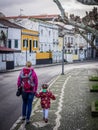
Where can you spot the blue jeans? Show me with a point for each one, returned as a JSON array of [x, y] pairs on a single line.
[[27, 104]]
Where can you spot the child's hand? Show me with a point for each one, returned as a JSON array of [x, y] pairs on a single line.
[[36, 94]]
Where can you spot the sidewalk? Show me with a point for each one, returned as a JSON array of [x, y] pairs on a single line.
[[34, 66], [47, 65], [72, 108]]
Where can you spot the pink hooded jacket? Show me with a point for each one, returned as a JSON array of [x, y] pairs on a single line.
[[35, 80]]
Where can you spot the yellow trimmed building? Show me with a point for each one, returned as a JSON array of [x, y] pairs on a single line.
[[44, 58], [30, 40]]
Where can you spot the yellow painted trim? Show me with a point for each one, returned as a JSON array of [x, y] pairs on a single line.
[[29, 31], [44, 55]]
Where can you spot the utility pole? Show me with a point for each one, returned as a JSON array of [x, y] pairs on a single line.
[[26, 49], [63, 48]]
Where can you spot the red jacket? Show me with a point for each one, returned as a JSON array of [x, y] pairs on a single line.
[[45, 98]]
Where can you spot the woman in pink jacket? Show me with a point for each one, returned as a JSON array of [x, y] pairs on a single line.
[[28, 81]]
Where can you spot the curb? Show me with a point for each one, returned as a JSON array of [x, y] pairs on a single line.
[[47, 65], [35, 66]]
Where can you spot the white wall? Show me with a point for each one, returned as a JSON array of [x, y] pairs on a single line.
[[57, 57], [68, 58], [20, 58], [4, 58], [49, 35], [15, 34], [2, 64]]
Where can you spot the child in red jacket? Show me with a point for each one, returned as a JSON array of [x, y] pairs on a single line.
[[45, 96]]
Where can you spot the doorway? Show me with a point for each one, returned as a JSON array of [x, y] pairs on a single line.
[[30, 49]]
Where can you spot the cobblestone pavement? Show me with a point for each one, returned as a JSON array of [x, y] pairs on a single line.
[[72, 108]]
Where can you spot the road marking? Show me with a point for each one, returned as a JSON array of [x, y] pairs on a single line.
[[53, 81], [40, 124], [22, 127], [60, 105]]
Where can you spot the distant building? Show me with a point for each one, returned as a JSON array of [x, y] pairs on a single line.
[[10, 40], [18, 44], [43, 17], [11, 34], [48, 33]]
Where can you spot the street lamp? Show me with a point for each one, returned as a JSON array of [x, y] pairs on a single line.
[[26, 48], [62, 34], [63, 48]]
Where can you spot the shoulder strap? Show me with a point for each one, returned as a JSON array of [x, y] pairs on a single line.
[[26, 76]]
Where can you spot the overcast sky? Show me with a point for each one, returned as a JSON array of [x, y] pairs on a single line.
[[36, 7]]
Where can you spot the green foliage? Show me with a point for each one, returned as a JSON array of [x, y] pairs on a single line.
[[93, 78], [96, 103], [97, 108], [95, 87], [68, 53]]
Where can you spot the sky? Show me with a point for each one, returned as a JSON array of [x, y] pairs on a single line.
[[38, 7]]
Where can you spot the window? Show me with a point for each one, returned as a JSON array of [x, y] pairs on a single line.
[[35, 43], [9, 43], [71, 51], [75, 51], [25, 43], [16, 43], [3, 57], [71, 40], [65, 40], [41, 48], [49, 33], [41, 32], [96, 41], [68, 39]]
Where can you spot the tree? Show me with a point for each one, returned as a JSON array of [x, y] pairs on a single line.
[[3, 38], [88, 24], [89, 2]]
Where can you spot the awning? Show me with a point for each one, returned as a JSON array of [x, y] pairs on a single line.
[[5, 49]]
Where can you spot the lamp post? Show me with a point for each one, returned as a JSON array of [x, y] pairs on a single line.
[[26, 49], [63, 48], [62, 33]]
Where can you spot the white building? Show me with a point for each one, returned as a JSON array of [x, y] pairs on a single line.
[[14, 38], [48, 32], [26, 23], [75, 44], [48, 37], [6, 54], [81, 45]]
